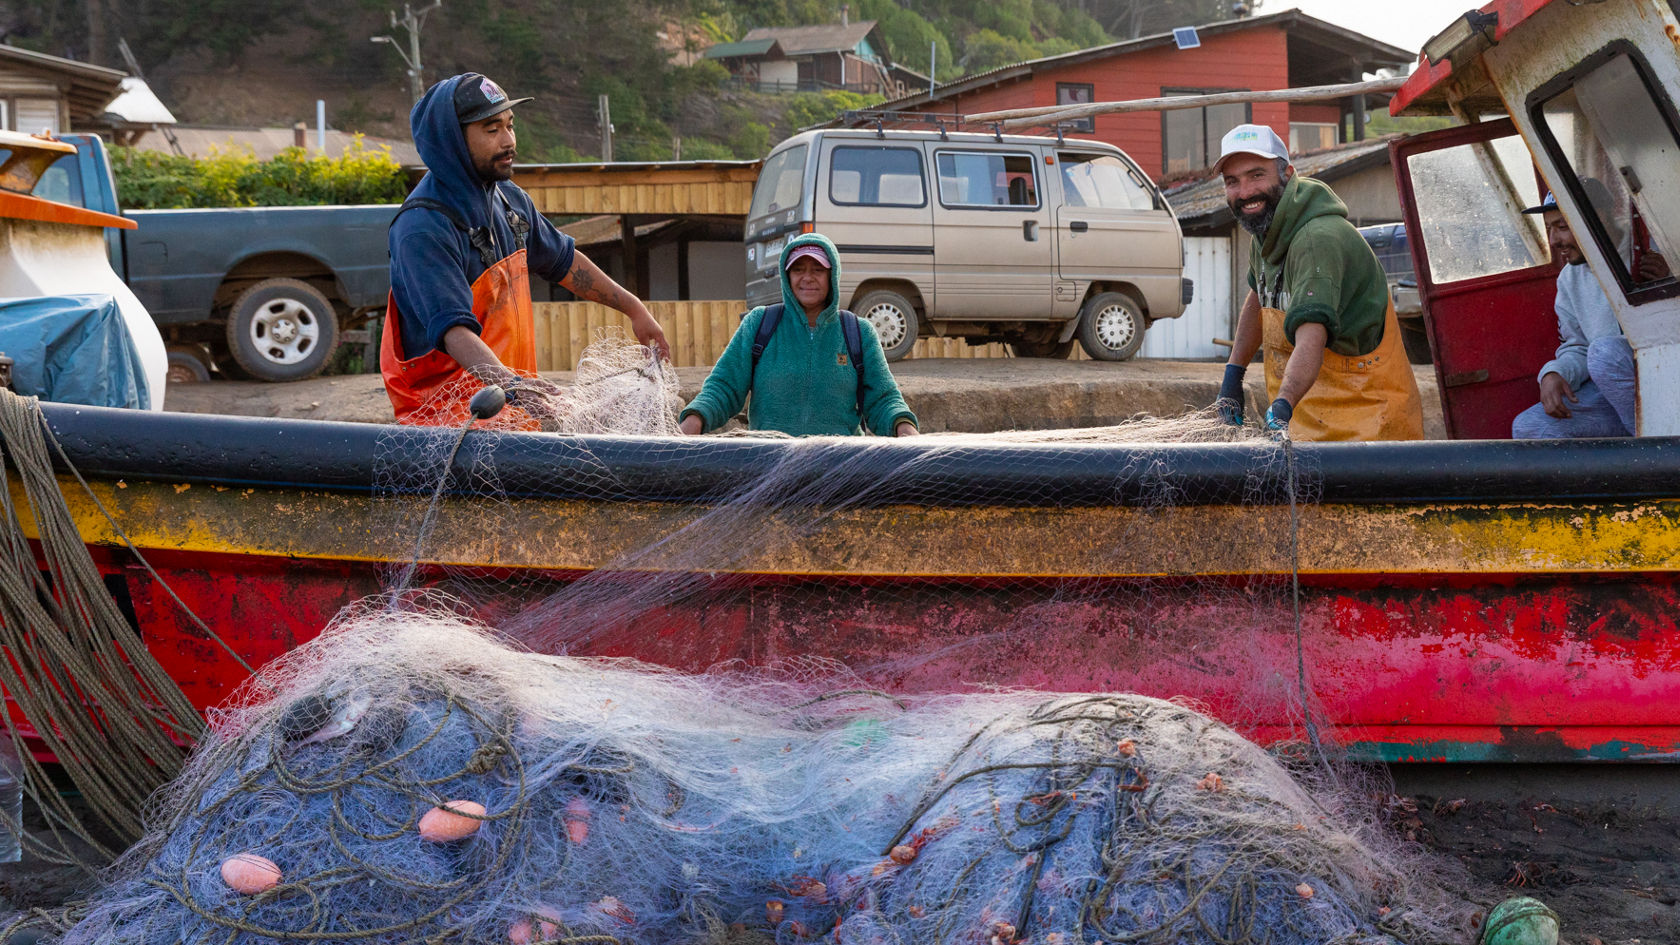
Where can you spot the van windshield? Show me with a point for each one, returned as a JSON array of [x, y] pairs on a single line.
[[1101, 180], [781, 184]]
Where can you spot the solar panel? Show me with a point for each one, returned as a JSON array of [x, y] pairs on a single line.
[[1186, 38]]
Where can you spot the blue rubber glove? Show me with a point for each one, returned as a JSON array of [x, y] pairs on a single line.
[[1277, 416], [1230, 402]]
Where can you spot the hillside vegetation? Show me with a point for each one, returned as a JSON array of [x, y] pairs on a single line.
[[248, 62]]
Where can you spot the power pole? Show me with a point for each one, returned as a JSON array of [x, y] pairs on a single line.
[[604, 107], [412, 22]]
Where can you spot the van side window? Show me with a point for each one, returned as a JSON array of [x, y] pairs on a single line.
[[1103, 180], [986, 179], [881, 177]]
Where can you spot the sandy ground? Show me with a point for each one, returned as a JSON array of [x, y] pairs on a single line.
[[948, 394]]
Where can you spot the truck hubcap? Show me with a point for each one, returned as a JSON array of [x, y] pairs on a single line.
[[284, 331]]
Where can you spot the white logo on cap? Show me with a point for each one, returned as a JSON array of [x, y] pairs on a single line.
[[492, 92]]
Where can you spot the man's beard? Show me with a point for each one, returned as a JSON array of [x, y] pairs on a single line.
[[490, 173], [1258, 223]]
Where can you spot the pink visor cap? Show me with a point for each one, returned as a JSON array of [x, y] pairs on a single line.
[[809, 252]]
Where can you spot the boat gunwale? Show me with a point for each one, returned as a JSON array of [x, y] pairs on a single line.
[[110, 443]]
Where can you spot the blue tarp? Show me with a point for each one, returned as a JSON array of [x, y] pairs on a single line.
[[73, 349]]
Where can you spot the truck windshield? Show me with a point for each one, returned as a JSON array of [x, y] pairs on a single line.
[[781, 184]]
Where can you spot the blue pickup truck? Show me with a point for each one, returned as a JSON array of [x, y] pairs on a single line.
[[263, 292]]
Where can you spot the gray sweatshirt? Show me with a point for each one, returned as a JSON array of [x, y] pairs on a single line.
[[1584, 315]]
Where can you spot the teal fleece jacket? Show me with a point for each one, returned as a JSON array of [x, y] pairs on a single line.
[[806, 385]]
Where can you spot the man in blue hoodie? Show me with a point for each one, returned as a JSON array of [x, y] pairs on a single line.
[[462, 250]]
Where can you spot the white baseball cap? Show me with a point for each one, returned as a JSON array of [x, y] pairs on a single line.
[[1259, 140]]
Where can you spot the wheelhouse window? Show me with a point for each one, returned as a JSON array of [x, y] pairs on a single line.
[[1470, 199], [1613, 133], [1103, 180], [1190, 136], [1077, 93], [986, 179], [878, 177]]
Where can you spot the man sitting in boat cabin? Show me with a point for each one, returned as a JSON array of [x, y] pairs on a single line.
[[462, 248], [1588, 388], [1318, 303]]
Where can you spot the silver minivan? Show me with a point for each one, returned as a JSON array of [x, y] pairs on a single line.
[[1031, 241]]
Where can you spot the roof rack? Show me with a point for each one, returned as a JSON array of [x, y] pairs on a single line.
[[880, 116]]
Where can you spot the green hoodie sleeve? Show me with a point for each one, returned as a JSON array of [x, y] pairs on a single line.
[[725, 391], [1335, 280], [882, 403]]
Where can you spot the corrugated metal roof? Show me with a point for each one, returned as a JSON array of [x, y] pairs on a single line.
[[823, 38], [746, 47], [1200, 202]]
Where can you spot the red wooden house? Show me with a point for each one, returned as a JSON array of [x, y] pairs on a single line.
[[1280, 50]]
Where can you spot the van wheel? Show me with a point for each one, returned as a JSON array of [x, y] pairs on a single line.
[[894, 319], [1057, 350], [282, 330], [1111, 327]]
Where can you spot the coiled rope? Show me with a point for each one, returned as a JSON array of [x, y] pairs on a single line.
[[79, 675]]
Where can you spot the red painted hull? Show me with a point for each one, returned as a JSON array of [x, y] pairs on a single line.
[[1415, 668]]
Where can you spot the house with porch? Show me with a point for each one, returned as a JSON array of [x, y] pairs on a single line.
[[844, 55]]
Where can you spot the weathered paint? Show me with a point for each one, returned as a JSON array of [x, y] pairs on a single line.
[[25, 207], [1461, 667], [905, 541]]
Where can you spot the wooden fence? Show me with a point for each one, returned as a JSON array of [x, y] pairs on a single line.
[[698, 332]]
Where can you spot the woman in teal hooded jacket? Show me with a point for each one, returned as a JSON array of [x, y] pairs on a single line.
[[805, 384]]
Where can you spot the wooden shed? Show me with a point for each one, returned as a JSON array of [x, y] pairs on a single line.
[[39, 92]]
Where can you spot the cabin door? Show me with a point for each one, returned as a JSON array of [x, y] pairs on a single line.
[[1484, 271]]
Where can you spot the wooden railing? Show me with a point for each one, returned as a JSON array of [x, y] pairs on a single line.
[[698, 332]]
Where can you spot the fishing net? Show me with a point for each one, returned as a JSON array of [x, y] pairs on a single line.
[[620, 802], [765, 689]]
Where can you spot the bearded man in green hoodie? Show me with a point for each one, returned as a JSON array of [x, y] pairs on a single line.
[[1318, 304]]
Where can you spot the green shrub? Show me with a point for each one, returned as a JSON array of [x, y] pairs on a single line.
[[814, 108], [151, 180]]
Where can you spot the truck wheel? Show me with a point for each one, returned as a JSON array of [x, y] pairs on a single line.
[[894, 319], [1111, 327], [1058, 350], [187, 367], [282, 330]]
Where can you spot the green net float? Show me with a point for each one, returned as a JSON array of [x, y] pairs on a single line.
[[1521, 921], [862, 733]]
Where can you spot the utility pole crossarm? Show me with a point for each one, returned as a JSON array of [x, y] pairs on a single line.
[[411, 21]]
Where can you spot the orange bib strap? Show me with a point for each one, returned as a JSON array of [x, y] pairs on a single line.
[[1365, 397], [502, 305]]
